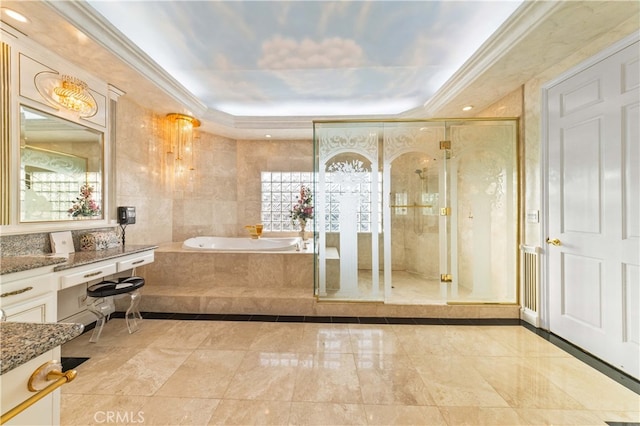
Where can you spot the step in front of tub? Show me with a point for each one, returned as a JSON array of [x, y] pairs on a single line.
[[228, 300]]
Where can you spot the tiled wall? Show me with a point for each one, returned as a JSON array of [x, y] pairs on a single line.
[[141, 173], [219, 197]]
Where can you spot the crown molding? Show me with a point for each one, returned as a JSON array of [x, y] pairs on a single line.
[[87, 20], [520, 24]]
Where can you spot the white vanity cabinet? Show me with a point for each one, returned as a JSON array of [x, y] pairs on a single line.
[[29, 296], [73, 282], [14, 391]]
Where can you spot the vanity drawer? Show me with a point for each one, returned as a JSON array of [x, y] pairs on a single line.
[[127, 264], [87, 274], [24, 289]]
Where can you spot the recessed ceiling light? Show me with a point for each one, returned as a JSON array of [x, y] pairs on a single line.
[[267, 136], [467, 108], [14, 15]]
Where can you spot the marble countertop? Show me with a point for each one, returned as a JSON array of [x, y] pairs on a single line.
[[21, 342], [11, 264]]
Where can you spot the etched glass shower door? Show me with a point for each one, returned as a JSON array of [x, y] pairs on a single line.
[[481, 177], [417, 212], [413, 176], [349, 211]]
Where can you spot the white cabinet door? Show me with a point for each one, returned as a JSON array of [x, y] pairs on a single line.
[[14, 391], [37, 309]]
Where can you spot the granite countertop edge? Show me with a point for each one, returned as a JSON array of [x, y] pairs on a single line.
[[21, 342], [12, 264]]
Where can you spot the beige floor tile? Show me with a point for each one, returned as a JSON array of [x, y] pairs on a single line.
[[619, 416], [324, 414], [451, 381], [278, 337], [471, 341], [425, 340], [386, 415], [475, 416], [103, 367], [578, 380], [181, 335], [115, 333], [99, 409], [394, 386], [328, 377], [558, 417], [205, 374], [228, 334], [523, 341], [374, 339], [199, 372], [382, 361], [247, 412], [267, 376], [142, 374], [521, 386], [325, 338], [177, 411]]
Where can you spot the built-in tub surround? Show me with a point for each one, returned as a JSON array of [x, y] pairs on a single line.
[[190, 281], [241, 244], [269, 283]]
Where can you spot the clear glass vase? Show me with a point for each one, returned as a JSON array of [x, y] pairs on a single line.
[[303, 224]]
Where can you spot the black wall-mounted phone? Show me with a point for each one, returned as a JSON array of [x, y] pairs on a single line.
[[126, 215]]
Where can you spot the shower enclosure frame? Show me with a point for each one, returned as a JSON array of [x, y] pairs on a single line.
[[379, 163]]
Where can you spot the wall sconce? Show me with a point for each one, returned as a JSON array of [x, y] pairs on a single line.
[[68, 92], [180, 141]]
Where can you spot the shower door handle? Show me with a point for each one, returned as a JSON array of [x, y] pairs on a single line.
[[556, 242]]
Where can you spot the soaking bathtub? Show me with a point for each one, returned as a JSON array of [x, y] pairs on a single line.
[[240, 244]]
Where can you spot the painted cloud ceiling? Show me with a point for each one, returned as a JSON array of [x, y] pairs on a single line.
[[303, 58]]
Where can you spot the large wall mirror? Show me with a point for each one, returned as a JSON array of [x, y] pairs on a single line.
[[61, 169]]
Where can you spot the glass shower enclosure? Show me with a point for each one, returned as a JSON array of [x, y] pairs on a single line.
[[416, 212]]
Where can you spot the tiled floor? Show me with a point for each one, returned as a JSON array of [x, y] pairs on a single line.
[[224, 372]]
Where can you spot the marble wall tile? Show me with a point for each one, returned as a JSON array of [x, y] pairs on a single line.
[[141, 174]]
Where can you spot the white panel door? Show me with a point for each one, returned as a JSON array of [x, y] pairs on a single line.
[[594, 186]]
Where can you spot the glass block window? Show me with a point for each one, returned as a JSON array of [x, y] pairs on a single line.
[[57, 191], [280, 191]]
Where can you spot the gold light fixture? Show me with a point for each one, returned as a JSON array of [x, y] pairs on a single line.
[[180, 139], [68, 92], [73, 95]]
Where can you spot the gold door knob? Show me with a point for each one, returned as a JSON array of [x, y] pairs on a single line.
[[555, 241]]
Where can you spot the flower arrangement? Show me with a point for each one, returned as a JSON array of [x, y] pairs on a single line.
[[303, 209], [85, 205]]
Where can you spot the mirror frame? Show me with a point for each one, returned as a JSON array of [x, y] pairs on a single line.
[[21, 60]]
